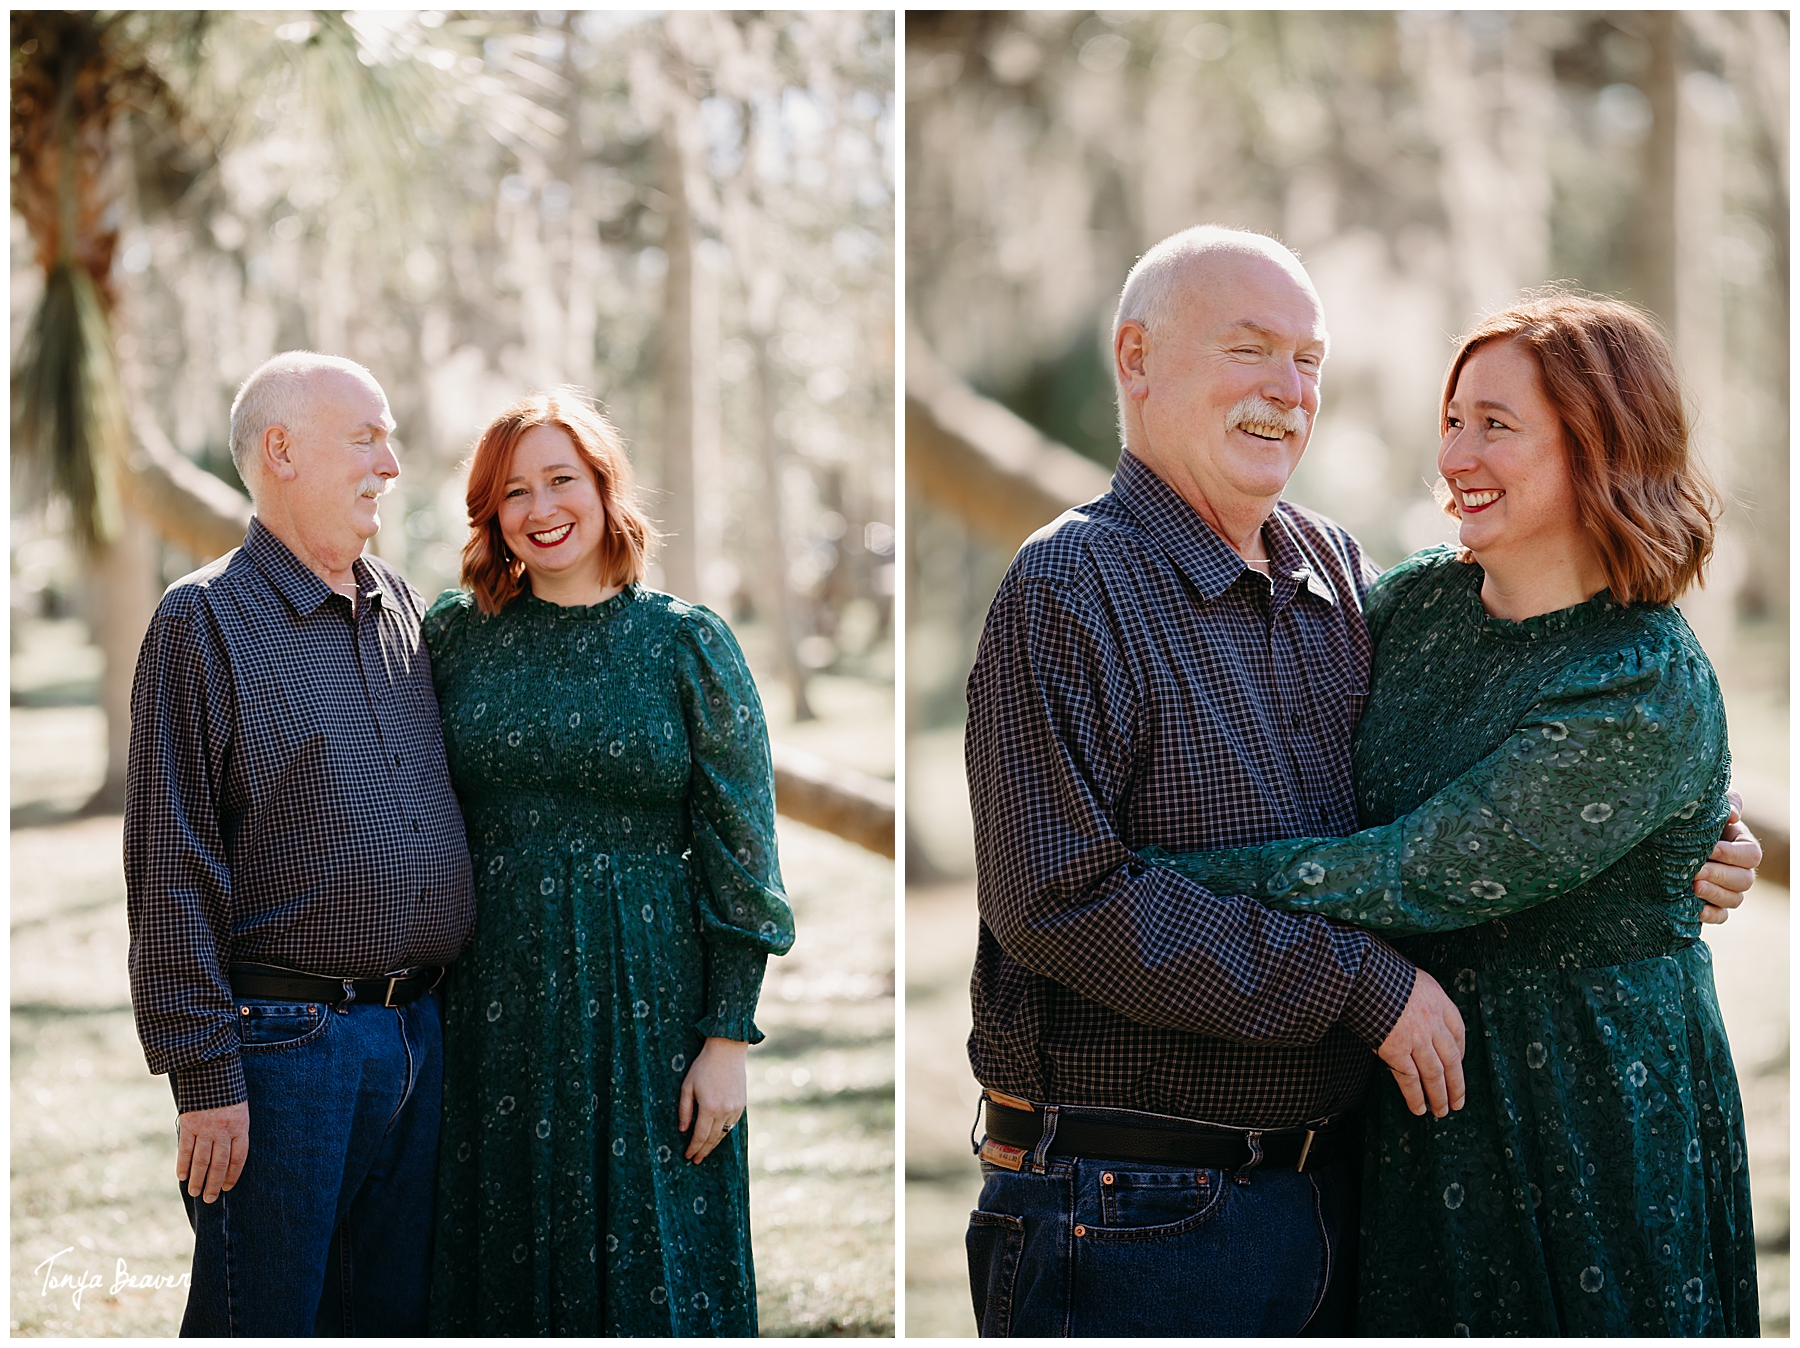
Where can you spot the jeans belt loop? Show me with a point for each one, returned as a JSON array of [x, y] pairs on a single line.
[[1253, 1139], [975, 1123], [1040, 1157], [343, 1007]]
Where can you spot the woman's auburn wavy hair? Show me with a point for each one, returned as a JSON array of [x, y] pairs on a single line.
[[489, 570], [1646, 502]]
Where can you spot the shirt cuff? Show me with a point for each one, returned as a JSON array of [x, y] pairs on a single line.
[[1379, 995], [210, 1085]]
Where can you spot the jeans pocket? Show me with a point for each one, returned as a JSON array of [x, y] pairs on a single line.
[[995, 1241], [1150, 1204], [1134, 1201], [1206, 1257], [266, 1026]]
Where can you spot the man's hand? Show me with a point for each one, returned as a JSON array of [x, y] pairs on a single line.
[[1731, 869], [712, 1096], [1424, 1050], [215, 1143]]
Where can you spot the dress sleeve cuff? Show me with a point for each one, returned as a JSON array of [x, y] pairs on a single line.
[[210, 1085], [740, 1028], [1379, 995]]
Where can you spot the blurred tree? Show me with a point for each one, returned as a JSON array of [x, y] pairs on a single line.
[[75, 75]]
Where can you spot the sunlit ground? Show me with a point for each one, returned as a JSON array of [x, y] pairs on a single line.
[[943, 1180], [93, 1131]]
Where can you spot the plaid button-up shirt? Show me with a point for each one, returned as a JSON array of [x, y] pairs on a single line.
[[287, 800], [1138, 684]]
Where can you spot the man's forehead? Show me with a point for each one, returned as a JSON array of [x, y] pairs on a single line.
[[1252, 289], [352, 395]]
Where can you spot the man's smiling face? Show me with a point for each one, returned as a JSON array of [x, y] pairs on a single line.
[[1233, 377]]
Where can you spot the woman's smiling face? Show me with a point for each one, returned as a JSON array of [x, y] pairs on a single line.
[[1506, 459], [551, 515]]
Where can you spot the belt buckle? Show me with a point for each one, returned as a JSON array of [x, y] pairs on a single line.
[[398, 976], [1305, 1147]]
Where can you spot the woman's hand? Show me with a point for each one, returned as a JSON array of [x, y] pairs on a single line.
[[1728, 873], [712, 1096]]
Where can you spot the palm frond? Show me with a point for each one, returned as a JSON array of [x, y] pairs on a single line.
[[69, 424]]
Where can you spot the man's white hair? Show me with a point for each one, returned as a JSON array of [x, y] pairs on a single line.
[[276, 394], [1152, 291]]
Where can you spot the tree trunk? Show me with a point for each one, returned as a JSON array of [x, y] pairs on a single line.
[[689, 379], [1656, 239], [167, 495], [772, 574], [124, 584]]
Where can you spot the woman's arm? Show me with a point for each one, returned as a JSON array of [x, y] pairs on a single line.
[[1629, 743], [744, 912]]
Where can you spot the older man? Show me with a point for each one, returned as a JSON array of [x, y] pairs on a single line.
[[297, 879], [1171, 1074]]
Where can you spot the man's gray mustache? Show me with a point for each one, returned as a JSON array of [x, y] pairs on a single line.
[[1260, 412]]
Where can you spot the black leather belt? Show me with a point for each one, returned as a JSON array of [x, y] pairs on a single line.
[[1153, 1140], [395, 989]]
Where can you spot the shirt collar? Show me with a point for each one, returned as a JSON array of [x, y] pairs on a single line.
[[1207, 560], [302, 589]]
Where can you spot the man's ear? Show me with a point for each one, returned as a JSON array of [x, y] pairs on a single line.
[[278, 454], [1131, 353]]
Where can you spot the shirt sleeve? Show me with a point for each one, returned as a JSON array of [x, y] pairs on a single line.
[[177, 880], [1052, 751], [731, 798], [1619, 748]]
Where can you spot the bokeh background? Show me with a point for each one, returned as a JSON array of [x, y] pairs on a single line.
[[1427, 167], [689, 216]]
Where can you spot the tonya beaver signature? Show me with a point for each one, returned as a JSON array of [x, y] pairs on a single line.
[[78, 1284]]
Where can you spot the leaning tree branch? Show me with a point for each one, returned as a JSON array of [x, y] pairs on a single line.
[[186, 504], [972, 457]]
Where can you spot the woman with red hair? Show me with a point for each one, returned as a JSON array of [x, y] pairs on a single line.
[[608, 747], [1540, 771]]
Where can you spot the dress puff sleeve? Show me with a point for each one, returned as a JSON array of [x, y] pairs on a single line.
[[1613, 750], [443, 627], [731, 800]]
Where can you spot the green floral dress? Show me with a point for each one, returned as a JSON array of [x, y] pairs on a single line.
[[1536, 797], [613, 768]]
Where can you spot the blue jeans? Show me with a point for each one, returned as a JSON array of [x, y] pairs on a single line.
[[1115, 1248], [328, 1230]]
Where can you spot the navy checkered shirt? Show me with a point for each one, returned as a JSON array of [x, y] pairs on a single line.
[[287, 800], [1138, 684]]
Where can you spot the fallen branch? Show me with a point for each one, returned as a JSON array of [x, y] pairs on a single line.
[[855, 806]]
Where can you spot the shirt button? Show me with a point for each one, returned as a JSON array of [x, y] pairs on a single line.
[[415, 824]]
